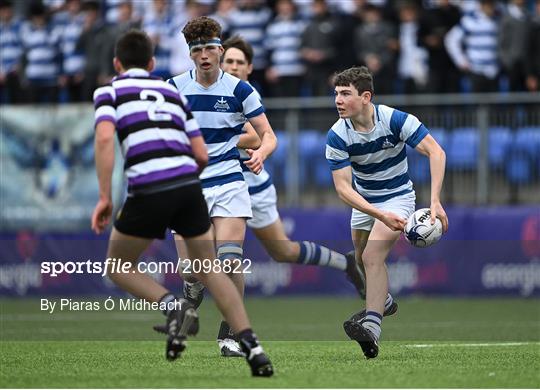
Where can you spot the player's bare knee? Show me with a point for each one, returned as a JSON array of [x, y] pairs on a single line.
[[372, 262]]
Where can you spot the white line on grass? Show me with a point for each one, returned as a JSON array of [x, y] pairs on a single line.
[[512, 344]]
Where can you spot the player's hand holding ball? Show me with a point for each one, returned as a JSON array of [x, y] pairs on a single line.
[[420, 231], [437, 211], [393, 221]]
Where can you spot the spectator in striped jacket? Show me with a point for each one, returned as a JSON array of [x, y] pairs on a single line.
[[10, 54], [249, 21], [42, 56], [472, 45], [72, 58], [283, 39]]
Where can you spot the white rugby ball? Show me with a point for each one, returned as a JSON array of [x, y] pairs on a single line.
[[420, 232]]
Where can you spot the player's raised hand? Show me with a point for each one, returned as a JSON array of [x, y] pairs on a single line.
[[101, 215], [437, 211], [393, 221], [255, 163]]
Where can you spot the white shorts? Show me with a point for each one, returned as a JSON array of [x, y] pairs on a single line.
[[264, 207], [228, 200], [403, 205]]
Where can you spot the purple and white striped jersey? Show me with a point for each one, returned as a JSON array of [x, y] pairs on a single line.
[[154, 126]]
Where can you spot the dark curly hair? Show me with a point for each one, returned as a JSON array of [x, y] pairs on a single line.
[[358, 76], [204, 28]]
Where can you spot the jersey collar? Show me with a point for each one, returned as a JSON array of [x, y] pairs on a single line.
[[136, 72], [193, 75]]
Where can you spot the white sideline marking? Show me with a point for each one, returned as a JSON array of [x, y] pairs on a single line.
[[472, 345]]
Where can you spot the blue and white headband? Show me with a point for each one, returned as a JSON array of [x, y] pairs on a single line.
[[199, 43]]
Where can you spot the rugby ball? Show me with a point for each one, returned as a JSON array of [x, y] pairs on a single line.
[[419, 231]]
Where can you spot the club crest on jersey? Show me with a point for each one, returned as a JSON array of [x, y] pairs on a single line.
[[387, 144], [221, 105]]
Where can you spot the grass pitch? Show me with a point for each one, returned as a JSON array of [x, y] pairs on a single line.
[[429, 343]]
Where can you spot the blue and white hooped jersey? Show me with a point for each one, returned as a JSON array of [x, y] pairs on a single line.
[[164, 27], [41, 45], [378, 158], [474, 40], [256, 183], [221, 111], [70, 32], [10, 46], [251, 24], [284, 41]]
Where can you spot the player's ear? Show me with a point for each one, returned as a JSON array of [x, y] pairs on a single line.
[[249, 69], [118, 65], [151, 64], [366, 96]]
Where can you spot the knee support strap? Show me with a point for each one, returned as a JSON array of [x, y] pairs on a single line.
[[230, 251]]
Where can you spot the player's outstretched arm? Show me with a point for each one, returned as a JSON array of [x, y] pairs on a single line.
[[437, 162], [342, 182], [268, 143], [104, 156], [249, 139]]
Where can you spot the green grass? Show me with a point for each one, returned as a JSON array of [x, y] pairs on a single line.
[[467, 346]]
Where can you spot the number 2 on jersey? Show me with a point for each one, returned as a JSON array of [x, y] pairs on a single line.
[[153, 108]]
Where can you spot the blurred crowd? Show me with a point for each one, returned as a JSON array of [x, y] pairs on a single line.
[[61, 50]]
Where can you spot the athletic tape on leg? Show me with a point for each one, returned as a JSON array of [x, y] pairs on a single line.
[[230, 251]]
